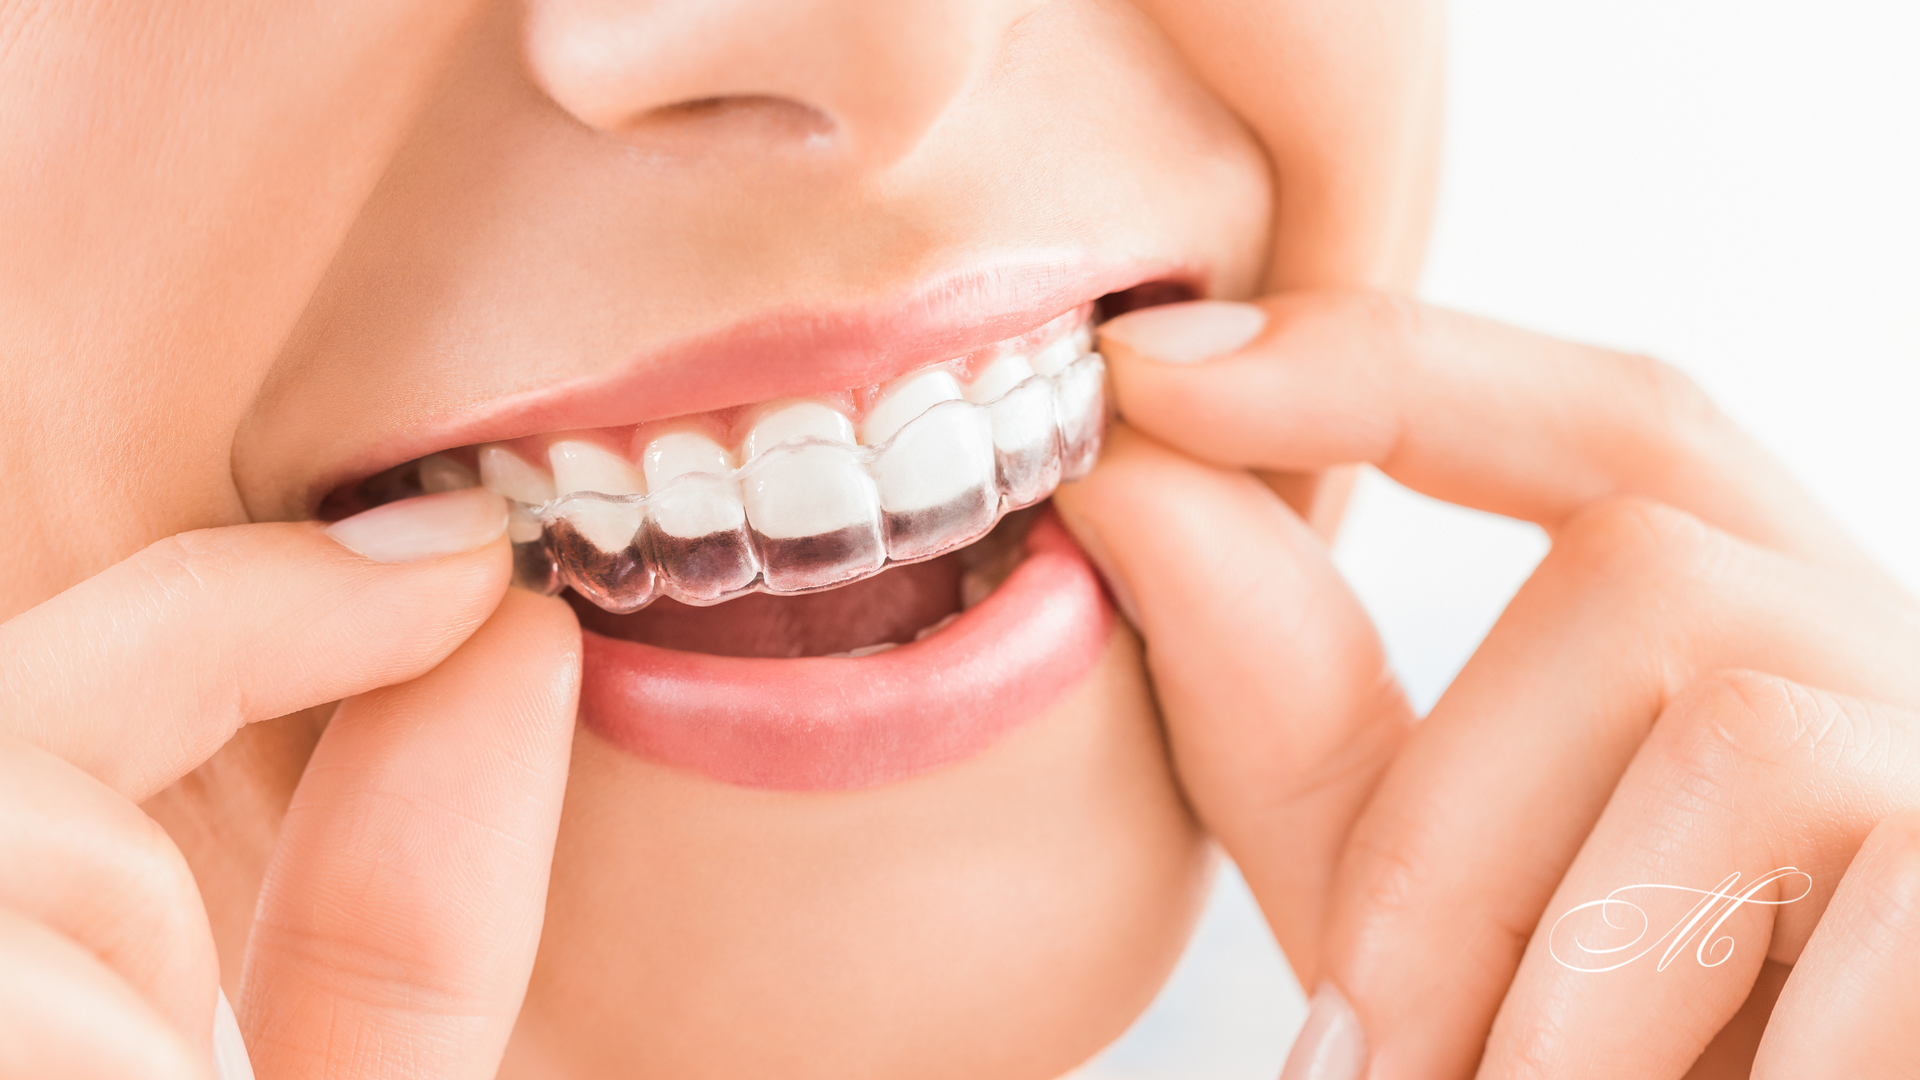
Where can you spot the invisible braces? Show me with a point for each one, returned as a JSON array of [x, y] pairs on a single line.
[[1045, 430]]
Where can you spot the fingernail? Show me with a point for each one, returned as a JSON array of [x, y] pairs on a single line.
[[230, 1061], [1187, 333], [426, 527], [1331, 1046]]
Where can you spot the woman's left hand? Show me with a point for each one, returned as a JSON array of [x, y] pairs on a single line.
[[1703, 678]]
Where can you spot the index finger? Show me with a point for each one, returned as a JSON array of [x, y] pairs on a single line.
[[140, 673], [1460, 408]]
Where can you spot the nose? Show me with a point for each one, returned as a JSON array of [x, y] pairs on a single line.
[[864, 78]]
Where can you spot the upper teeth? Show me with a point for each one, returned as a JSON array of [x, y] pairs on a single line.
[[812, 497]]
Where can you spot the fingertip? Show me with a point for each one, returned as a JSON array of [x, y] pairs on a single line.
[[540, 626], [425, 527], [1186, 333]]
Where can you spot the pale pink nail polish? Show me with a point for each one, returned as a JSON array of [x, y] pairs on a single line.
[[1187, 333], [230, 1061], [1331, 1045], [426, 527]]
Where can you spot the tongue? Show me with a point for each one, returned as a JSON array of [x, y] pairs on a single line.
[[891, 606]]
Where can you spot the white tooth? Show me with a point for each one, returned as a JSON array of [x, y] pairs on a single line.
[[673, 455], [507, 473], [903, 399], [936, 481], [692, 509], [439, 473], [864, 650], [522, 526], [583, 466], [1026, 437], [999, 377], [796, 420], [1080, 404], [1060, 352], [944, 454], [1083, 339], [814, 506], [810, 491], [945, 621]]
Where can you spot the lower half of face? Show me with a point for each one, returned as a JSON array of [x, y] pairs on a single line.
[[774, 321], [1005, 915]]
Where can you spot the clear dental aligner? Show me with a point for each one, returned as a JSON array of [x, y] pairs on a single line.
[[809, 497]]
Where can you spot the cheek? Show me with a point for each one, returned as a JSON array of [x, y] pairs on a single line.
[[1006, 916]]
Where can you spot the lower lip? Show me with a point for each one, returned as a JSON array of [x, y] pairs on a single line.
[[827, 724]]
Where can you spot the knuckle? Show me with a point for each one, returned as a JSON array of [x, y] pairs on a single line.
[[1638, 543], [187, 564], [1673, 403], [386, 971], [1387, 871], [1389, 324], [1400, 877], [1732, 725], [1890, 895]]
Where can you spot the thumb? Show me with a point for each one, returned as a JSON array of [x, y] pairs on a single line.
[[1280, 710], [140, 673], [400, 914]]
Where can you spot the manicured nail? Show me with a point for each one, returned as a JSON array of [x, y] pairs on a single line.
[[1331, 1046], [426, 527], [230, 1061], [1187, 333]]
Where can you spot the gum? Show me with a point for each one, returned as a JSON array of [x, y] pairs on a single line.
[[1043, 431]]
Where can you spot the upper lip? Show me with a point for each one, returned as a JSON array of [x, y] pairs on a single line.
[[786, 351]]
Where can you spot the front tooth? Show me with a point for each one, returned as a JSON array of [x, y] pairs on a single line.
[[696, 521], [439, 473], [507, 473], [902, 400], [814, 509], [673, 455], [1062, 351], [796, 420], [936, 481], [999, 377], [587, 467]]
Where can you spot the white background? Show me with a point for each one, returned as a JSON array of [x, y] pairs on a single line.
[[1733, 186]]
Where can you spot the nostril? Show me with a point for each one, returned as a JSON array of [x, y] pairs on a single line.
[[758, 118]]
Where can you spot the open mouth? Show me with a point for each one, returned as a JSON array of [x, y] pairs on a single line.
[[827, 591]]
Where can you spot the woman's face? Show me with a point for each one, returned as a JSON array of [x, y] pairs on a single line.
[[258, 257]]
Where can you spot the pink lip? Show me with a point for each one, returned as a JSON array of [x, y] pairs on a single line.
[[828, 724], [789, 351]]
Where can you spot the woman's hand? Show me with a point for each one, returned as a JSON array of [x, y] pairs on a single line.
[[1704, 677], [397, 924]]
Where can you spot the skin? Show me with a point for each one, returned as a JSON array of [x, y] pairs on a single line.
[[257, 244], [1704, 676], [252, 245]]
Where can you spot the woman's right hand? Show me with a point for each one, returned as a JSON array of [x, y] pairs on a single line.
[[396, 927], [1705, 676]]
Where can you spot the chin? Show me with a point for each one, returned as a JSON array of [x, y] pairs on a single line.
[[1005, 915]]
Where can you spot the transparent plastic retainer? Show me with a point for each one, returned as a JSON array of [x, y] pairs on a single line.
[[838, 512]]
